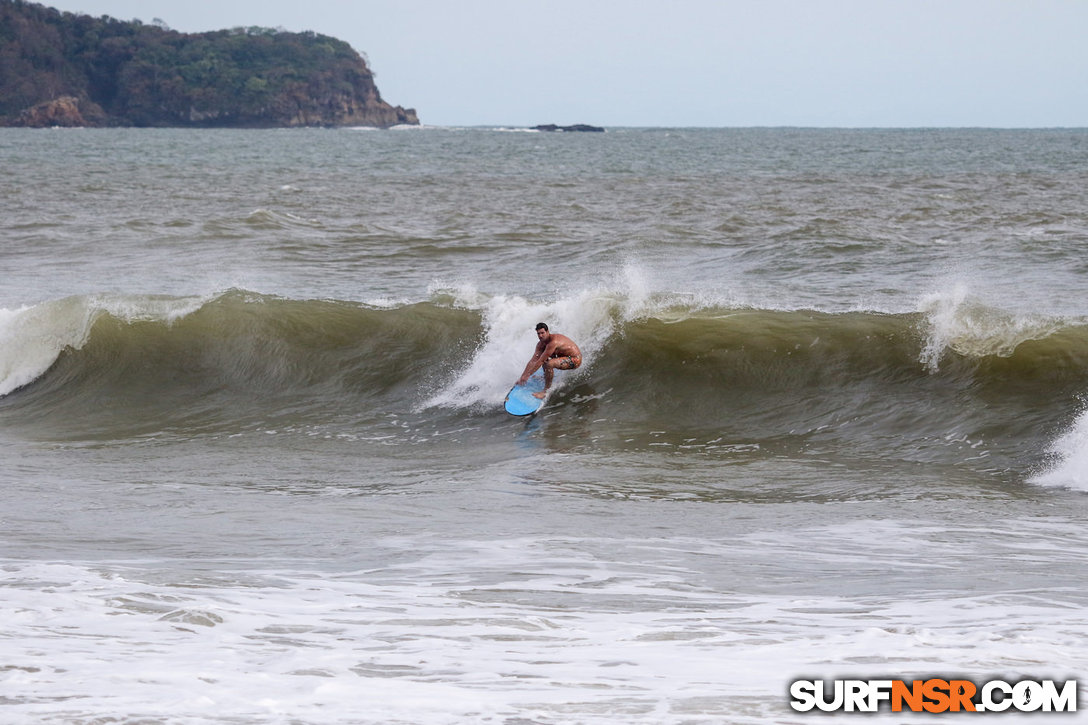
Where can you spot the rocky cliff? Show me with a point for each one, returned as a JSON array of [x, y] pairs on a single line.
[[63, 69]]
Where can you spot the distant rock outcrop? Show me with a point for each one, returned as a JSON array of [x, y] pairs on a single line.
[[63, 69], [63, 111], [575, 127]]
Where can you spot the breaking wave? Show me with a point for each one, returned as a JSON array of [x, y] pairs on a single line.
[[996, 385]]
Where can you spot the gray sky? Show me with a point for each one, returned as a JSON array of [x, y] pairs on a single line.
[[1005, 63]]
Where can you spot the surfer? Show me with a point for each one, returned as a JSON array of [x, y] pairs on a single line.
[[554, 351]]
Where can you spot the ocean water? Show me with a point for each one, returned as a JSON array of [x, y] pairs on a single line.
[[255, 467]]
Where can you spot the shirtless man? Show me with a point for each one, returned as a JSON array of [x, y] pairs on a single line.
[[553, 351]]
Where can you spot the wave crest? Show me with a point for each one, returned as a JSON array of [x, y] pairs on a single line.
[[652, 362], [956, 322]]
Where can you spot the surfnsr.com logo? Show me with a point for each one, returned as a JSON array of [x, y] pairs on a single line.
[[933, 695]]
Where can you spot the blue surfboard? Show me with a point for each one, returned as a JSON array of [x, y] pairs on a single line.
[[520, 400]]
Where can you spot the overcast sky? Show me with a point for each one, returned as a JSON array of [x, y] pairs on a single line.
[[1004, 63]]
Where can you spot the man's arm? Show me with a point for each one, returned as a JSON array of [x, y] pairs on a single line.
[[537, 360]]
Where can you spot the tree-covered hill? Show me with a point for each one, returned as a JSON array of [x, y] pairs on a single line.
[[67, 69]]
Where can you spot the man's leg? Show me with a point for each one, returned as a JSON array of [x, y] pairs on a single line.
[[549, 374]]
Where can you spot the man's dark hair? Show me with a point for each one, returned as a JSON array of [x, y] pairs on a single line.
[[542, 326]]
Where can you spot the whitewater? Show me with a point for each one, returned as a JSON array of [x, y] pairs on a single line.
[[255, 468]]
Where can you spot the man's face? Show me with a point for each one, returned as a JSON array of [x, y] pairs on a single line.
[[542, 335]]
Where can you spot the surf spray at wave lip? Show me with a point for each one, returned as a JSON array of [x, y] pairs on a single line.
[[508, 341], [33, 337]]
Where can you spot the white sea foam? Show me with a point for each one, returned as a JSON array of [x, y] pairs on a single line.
[[31, 338], [474, 631], [1069, 453]]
